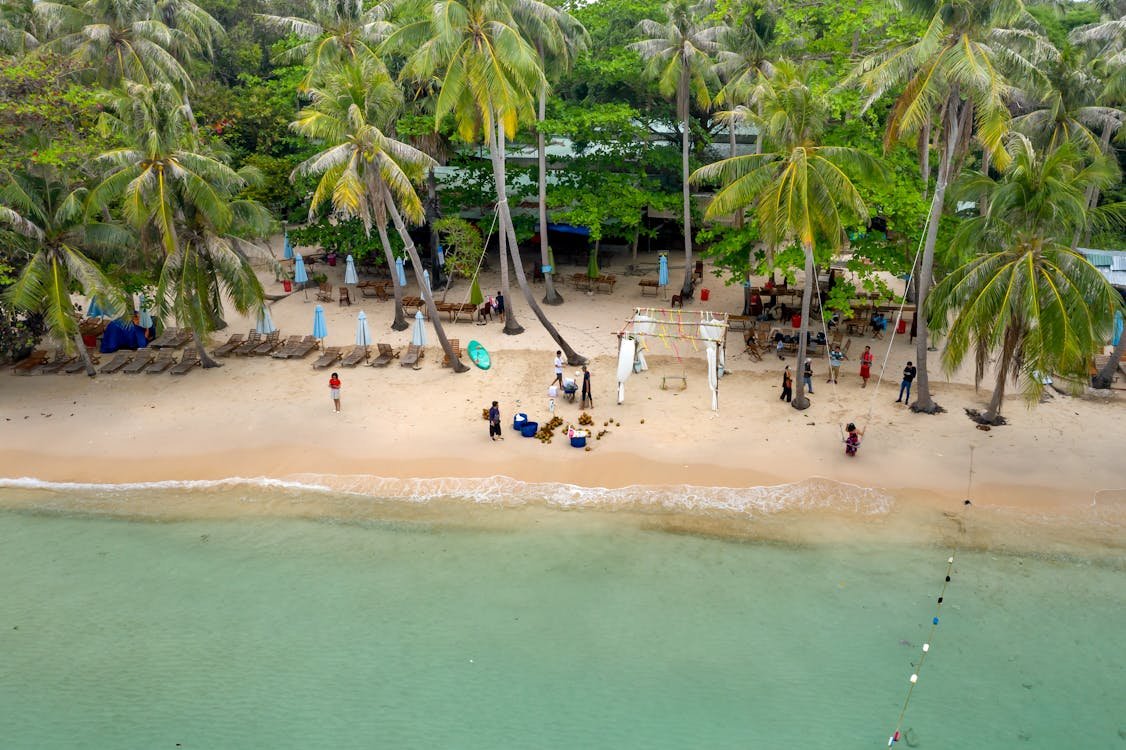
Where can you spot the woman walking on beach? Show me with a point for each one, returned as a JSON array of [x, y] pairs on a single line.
[[866, 360], [787, 385], [586, 394], [494, 422], [334, 390]]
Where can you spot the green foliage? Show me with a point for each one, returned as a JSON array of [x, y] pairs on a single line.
[[343, 237], [462, 246]]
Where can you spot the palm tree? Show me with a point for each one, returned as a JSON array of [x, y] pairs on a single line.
[[182, 200], [343, 115], [678, 54], [336, 31], [954, 78], [745, 46], [1025, 295], [800, 190], [39, 206], [129, 39], [18, 31], [490, 74], [1066, 111]]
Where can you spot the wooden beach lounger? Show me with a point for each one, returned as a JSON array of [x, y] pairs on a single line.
[[413, 355], [173, 338], [324, 293], [234, 342], [33, 360], [60, 361], [386, 354], [161, 363], [79, 364], [331, 356], [187, 362], [119, 360], [253, 339], [455, 344], [269, 344], [302, 350], [354, 357], [141, 359], [286, 349]]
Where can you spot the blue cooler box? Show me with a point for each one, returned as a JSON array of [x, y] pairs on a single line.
[[529, 429]]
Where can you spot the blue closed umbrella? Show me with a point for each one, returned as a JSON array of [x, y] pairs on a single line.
[[426, 279], [663, 271], [95, 310], [363, 336], [288, 252], [145, 319], [299, 274], [402, 273], [320, 330], [265, 322], [418, 333], [350, 271], [1118, 325]]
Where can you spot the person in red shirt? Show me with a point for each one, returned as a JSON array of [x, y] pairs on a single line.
[[334, 389], [866, 360]]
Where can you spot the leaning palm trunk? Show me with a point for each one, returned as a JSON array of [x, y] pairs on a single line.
[[993, 411], [400, 322], [682, 105], [551, 296], [497, 143], [511, 326], [427, 297], [205, 359], [1104, 377], [800, 401], [85, 353]]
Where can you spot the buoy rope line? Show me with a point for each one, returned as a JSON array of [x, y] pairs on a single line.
[[914, 678]]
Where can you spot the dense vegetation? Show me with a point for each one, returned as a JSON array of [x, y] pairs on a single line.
[[148, 141]]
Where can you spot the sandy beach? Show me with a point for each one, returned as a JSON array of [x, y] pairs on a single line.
[[1060, 462]]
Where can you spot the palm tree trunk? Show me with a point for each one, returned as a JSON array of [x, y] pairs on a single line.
[[400, 323], [497, 149], [682, 107], [416, 264], [512, 327], [550, 296], [1092, 197], [205, 360], [925, 156], [85, 353], [799, 400], [992, 413], [1104, 377], [952, 134], [983, 200]]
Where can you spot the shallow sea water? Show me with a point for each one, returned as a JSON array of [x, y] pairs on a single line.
[[586, 633]]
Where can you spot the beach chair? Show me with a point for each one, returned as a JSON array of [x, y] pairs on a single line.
[[53, 366], [331, 355], [269, 344], [345, 297], [386, 354], [303, 349], [119, 360], [79, 364], [455, 344], [412, 357], [161, 363], [253, 339], [285, 350], [29, 363], [354, 357], [187, 362], [698, 272], [234, 342], [141, 359], [324, 293]]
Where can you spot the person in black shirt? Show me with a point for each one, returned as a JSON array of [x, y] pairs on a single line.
[[905, 386], [787, 385], [494, 422]]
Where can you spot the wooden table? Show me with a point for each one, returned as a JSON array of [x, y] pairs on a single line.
[[647, 284]]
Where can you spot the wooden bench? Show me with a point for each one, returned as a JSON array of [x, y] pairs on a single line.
[[740, 322], [605, 283], [647, 284]]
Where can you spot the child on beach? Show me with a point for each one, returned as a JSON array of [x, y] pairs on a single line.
[[866, 360], [787, 385], [494, 422], [334, 390], [852, 439]]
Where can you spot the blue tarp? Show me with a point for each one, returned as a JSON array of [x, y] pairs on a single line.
[[568, 229], [121, 335]]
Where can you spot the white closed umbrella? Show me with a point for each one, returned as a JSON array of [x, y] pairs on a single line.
[[265, 322], [418, 332], [363, 336], [350, 271]]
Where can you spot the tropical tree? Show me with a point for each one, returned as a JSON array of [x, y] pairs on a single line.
[[182, 200], [953, 77], [1024, 295], [490, 74], [1066, 110], [678, 54], [800, 190], [39, 206], [744, 48], [18, 32]]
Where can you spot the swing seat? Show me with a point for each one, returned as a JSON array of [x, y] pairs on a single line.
[[682, 378]]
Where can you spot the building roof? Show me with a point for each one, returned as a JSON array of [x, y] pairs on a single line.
[[1111, 264]]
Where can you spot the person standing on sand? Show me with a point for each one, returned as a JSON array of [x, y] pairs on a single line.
[[787, 385], [334, 389], [866, 360], [494, 423], [558, 370], [586, 394], [836, 359], [498, 306], [905, 386], [807, 375]]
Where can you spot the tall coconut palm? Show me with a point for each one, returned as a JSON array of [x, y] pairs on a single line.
[[745, 46], [800, 190], [952, 78], [39, 205], [1024, 295], [678, 54], [489, 77], [18, 30], [183, 202], [1067, 110], [344, 115]]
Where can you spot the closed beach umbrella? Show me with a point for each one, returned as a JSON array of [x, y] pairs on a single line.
[[288, 252], [145, 318], [401, 271], [320, 330], [418, 333], [426, 279], [663, 271], [265, 322], [350, 271], [363, 336], [299, 274]]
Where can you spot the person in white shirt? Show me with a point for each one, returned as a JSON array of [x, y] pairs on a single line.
[[558, 369]]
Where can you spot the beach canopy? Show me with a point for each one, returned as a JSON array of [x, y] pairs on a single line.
[[363, 335], [418, 332], [350, 271], [663, 271], [288, 252], [401, 271], [299, 274], [265, 322], [320, 329]]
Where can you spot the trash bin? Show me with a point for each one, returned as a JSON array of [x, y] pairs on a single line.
[[529, 429], [796, 321], [287, 285], [902, 327], [704, 294]]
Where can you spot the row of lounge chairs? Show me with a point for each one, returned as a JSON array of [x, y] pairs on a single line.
[[151, 362]]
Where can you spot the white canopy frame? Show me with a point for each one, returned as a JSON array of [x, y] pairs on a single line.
[[672, 325]]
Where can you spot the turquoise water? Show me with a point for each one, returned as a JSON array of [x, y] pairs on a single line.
[[575, 634]]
